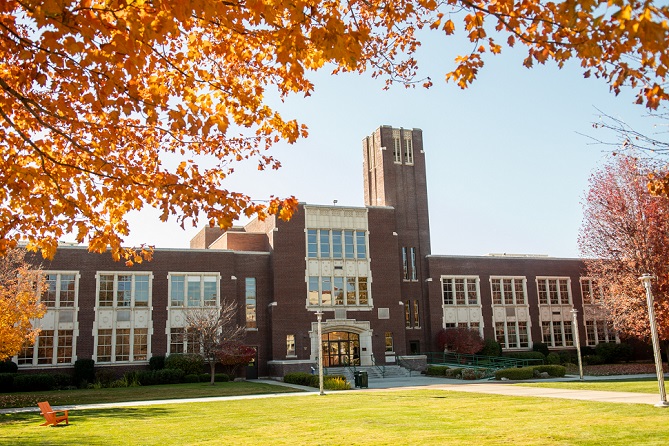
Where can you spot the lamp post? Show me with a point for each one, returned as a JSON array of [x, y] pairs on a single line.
[[574, 312], [645, 279], [319, 317]]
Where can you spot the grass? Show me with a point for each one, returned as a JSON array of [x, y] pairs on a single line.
[[142, 393], [640, 385], [377, 417]]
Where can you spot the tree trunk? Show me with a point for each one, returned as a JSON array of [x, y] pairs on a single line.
[[212, 370]]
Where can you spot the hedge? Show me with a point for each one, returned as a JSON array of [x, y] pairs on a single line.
[[436, 370], [330, 382], [7, 382], [84, 372], [525, 355], [190, 364], [8, 366], [34, 382]]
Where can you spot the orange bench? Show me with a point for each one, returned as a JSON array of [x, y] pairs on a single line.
[[52, 417]]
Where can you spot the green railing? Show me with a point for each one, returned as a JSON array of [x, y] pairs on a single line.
[[478, 361]]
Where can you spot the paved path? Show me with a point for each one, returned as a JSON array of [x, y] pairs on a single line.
[[414, 383]]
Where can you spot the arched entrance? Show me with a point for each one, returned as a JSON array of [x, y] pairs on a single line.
[[341, 348]]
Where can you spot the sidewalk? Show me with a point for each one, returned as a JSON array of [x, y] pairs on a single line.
[[417, 382]]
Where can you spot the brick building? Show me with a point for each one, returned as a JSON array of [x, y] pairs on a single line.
[[368, 269]]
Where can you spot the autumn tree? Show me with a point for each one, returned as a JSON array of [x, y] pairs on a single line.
[[213, 329], [625, 234], [107, 107], [234, 354], [460, 340], [20, 287]]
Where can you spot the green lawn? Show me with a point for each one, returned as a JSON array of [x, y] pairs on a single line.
[[647, 385], [420, 417], [142, 393]]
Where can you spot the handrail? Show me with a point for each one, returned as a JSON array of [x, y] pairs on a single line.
[[382, 369], [402, 363], [479, 361]]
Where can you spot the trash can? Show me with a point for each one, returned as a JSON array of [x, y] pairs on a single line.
[[356, 378], [364, 380]]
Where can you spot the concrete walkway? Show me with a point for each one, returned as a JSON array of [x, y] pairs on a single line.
[[417, 382]]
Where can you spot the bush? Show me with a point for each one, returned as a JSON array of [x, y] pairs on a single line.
[[453, 373], [221, 378], [157, 363], [169, 376], [612, 352], [300, 378], [491, 348], [84, 372], [553, 358], [336, 383], [104, 377], [515, 373], [190, 364], [8, 366], [525, 355], [592, 360], [436, 370], [470, 374], [568, 357], [541, 348], [146, 377], [192, 378], [62, 380], [206, 377], [7, 382], [460, 340], [32, 383], [555, 371]]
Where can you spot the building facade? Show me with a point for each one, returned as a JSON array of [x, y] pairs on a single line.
[[369, 270]]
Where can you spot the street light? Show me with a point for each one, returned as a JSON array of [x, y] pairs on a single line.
[[319, 317], [646, 278], [574, 312]]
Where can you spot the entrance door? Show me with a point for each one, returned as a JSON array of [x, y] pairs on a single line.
[[414, 347], [341, 348], [252, 367]]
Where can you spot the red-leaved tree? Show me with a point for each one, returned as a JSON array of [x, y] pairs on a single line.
[[625, 234], [233, 354], [460, 340]]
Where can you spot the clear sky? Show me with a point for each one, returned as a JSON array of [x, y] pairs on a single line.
[[506, 165]]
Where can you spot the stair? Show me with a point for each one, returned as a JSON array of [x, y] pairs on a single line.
[[380, 372]]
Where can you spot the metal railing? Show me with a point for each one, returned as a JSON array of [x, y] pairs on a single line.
[[478, 361], [382, 369]]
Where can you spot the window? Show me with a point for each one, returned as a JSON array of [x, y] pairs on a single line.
[[193, 289], [362, 291], [512, 334], [348, 245], [336, 245], [176, 340], [407, 314], [251, 302], [325, 244], [590, 291], [45, 347], [361, 244], [598, 331], [405, 264], [337, 291], [61, 290], [104, 345], [123, 290], [460, 290], [290, 345], [350, 291], [416, 315], [140, 344], [389, 342], [412, 258], [397, 149], [64, 343], [408, 147], [553, 291], [312, 243]]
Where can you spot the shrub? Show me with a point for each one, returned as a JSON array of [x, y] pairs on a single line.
[[453, 373], [300, 378], [146, 377], [84, 372], [526, 355], [189, 364], [157, 363], [105, 377], [460, 340], [205, 377], [556, 371], [192, 378], [32, 383], [470, 374], [7, 382], [612, 352], [8, 366], [592, 360], [568, 357], [436, 370], [553, 358], [221, 378], [541, 348], [491, 348], [336, 383], [169, 376], [62, 380], [515, 373]]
